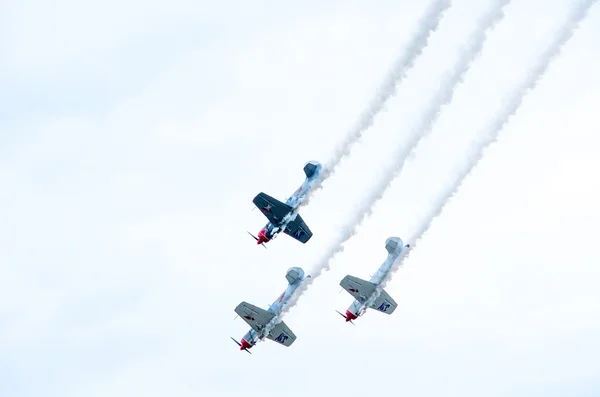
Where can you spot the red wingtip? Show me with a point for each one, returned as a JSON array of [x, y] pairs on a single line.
[[350, 316]]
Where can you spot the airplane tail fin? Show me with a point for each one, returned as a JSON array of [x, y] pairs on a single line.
[[310, 168], [393, 244], [294, 274]]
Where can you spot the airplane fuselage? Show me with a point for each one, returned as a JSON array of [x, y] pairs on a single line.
[[356, 307], [312, 170], [295, 276]]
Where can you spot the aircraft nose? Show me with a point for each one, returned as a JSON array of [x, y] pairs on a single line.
[[350, 316], [245, 345], [261, 237]]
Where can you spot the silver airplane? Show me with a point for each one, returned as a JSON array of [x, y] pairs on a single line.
[[284, 217], [367, 294], [258, 318]]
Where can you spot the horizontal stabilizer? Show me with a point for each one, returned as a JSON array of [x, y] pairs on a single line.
[[298, 230], [384, 303], [359, 289], [256, 317], [282, 334], [272, 208]]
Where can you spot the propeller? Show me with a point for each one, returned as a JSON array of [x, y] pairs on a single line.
[[256, 238], [343, 315], [240, 345]]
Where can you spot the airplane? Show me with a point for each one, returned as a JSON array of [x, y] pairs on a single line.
[[258, 318], [366, 293], [284, 217]]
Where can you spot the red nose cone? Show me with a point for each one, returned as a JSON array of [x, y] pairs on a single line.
[[245, 345], [350, 316], [262, 238]]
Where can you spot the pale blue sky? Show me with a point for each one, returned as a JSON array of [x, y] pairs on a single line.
[[134, 135]]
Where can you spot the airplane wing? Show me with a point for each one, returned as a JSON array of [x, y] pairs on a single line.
[[256, 317], [298, 230], [282, 334], [359, 289], [273, 209], [384, 303]]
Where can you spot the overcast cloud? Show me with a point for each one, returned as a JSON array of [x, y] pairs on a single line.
[[134, 135]]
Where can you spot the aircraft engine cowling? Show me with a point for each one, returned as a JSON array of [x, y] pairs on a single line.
[[294, 274]]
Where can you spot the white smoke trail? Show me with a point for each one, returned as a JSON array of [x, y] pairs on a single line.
[[490, 134], [427, 25], [443, 96]]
